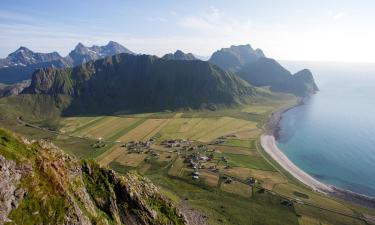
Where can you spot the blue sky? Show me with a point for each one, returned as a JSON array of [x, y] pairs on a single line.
[[329, 30]]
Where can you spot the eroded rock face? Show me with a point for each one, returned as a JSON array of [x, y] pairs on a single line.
[[10, 192], [14, 89], [130, 198], [41, 184]]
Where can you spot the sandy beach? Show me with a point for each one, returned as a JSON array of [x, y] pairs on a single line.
[[268, 143]]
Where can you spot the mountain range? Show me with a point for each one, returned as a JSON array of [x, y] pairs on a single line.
[[108, 79], [144, 82], [20, 65]]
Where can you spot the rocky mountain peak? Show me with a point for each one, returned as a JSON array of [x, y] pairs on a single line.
[[179, 55], [236, 56]]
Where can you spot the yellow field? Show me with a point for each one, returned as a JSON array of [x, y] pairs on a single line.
[[72, 123], [204, 129], [92, 126], [109, 127], [237, 188], [257, 109], [235, 150], [131, 159], [268, 178], [142, 131], [210, 178], [110, 155], [156, 130], [249, 134]]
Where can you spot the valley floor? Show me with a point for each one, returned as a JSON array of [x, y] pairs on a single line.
[[209, 160]]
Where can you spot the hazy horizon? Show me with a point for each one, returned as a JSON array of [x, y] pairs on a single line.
[[289, 30]]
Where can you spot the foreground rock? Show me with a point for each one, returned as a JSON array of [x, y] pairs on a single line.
[[40, 184]]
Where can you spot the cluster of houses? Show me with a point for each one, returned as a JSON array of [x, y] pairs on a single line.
[[138, 146], [176, 143], [222, 139], [195, 161], [99, 144], [152, 154]]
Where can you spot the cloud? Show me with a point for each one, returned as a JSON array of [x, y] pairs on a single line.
[[157, 19], [214, 22], [173, 13], [16, 16], [336, 15]]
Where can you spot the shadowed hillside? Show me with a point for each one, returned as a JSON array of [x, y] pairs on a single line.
[[129, 82]]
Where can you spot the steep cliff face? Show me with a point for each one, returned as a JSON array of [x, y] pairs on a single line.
[[40, 184]]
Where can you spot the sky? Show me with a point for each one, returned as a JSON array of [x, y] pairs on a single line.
[[320, 30]]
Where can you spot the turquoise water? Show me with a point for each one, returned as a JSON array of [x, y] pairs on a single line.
[[332, 136]]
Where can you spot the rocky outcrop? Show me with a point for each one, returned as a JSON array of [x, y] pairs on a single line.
[[128, 199], [41, 184], [14, 89], [235, 57], [10, 191]]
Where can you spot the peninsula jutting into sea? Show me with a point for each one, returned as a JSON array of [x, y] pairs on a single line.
[[186, 113]]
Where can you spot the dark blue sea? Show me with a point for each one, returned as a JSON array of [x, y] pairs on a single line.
[[332, 136]]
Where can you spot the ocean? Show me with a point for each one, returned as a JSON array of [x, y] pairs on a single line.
[[332, 136]]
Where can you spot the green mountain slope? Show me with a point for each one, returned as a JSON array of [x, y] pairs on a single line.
[[143, 82], [253, 66], [40, 184], [268, 72]]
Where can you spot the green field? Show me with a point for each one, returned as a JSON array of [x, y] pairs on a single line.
[[223, 203]]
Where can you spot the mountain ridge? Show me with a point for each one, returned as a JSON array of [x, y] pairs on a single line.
[[141, 82], [179, 55], [20, 64], [268, 72], [236, 56], [254, 67]]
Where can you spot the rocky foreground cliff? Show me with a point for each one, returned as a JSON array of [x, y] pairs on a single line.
[[40, 184]]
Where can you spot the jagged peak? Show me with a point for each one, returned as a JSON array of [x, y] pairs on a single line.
[[113, 43], [21, 49], [80, 46]]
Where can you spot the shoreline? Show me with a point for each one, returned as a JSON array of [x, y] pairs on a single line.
[[268, 142]]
